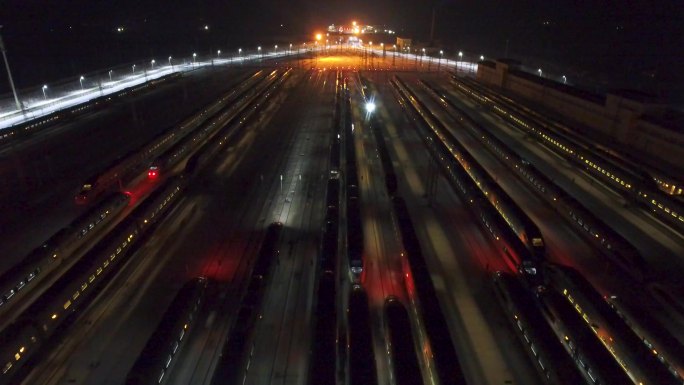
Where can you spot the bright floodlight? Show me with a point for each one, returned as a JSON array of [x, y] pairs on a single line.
[[370, 107], [206, 27], [319, 36], [481, 57], [45, 86]]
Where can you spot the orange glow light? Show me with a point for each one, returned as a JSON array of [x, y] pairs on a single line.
[[319, 36]]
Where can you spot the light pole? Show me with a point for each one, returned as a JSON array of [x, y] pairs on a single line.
[[170, 64], [289, 51], [134, 69], [218, 54], [481, 57], [152, 64], [110, 75], [9, 73], [80, 80], [394, 58], [460, 58], [540, 72], [259, 50], [44, 94], [565, 80], [439, 63], [276, 49], [194, 58]]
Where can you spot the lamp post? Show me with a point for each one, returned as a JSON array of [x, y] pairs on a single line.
[[565, 80], [9, 74], [218, 54], [481, 57], [134, 69], [152, 64], [439, 63], [80, 80], [289, 51], [44, 93], [275, 48], [259, 50], [170, 64], [194, 58], [540, 72], [110, 75], [394, 57]]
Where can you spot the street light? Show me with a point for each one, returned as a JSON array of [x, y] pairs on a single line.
[[81, 81], [276, 48], [133, 68], [110, 75], [152, 63], [218, 53], [439, 63], [460, 56], [540, 72], [194, 56], [170, 60], [44, 94], [290, 50], [481, 57], [565, 80]]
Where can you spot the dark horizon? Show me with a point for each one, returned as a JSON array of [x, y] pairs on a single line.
[[636, 46]]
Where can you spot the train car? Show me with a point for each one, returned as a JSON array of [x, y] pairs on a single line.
[[269, 251], [634, 184], [164, 163], [638, 362], [517, 219], [446, 361], [653, 335], [33, 126], [541, 344], [169, 337], [362, 370], [591, 359], [324, 347], [618, 249], [123, 168], [60, 246], [517, 256], [72, 292], [402, 351], [354, 237]]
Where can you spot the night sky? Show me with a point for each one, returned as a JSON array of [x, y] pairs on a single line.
[[635, 44]]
